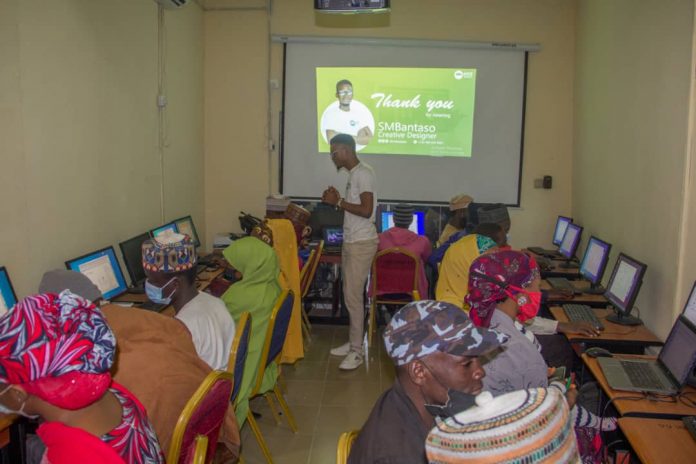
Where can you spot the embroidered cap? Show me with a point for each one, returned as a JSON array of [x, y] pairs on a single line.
[[169, 252]]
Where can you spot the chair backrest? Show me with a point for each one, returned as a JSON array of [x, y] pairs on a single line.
[[314, 257], [275, 334], [238, 353], [395, 270], [345, 443], [202, 415]]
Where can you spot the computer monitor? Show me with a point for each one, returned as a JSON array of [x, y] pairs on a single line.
[[679, 352], [571, 240], [132, 253], [185, 226], [323, 216], [170, 226], [102, 268], [594, 262], [8, 298], [689, 312], [561, 225], [417, 225], [333, 237], [623, 287]]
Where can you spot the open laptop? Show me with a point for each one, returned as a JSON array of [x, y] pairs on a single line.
[[333, 239], [666, 375]]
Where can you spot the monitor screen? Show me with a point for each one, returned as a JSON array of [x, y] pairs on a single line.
[[679, 352], [8, 298], [561, 225], [690, 308], [170, 227], [625, 281], [570, 241], [333, 236], [102, 268], [595, 260], [185, 226], [131, 250], [417, 225]]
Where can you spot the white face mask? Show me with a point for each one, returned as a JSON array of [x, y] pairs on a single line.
[[6, 410]]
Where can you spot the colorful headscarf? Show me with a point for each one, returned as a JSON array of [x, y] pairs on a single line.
[[169, 253], [57, 347], [507, 266]]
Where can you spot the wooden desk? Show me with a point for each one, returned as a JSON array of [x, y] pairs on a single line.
[[639, 405], [6, 420], [613, 334], [595, 301], [658, 440]]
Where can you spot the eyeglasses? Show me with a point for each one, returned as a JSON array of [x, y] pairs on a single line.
[[343, 93]]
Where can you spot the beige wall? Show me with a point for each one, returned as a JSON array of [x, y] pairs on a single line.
[[79, 163], [631, 107], [236, 73]]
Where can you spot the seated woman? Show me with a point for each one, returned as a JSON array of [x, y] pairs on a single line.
[[255, 290], [503, 294], [55, 356]]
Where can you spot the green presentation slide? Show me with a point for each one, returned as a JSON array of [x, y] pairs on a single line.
[[398, 111]]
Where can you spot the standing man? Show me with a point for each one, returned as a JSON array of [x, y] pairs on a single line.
[[169, 261], [347, 116], [359, 240]]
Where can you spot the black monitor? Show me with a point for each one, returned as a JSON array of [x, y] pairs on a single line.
[[559, 232], [323, 216], [102, 268], [185, 226], [570, 242], [169, 227], [623, 287], [594, 262], [131, 250], [8, 297]]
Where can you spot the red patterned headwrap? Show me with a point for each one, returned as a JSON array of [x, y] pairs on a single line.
[[509, 267], [57, 347]]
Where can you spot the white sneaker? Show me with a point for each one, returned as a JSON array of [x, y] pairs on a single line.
[[352, 361], [342, 350]]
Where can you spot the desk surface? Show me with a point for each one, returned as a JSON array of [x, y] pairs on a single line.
[[612, 333], [637, 404], [583, 298], [659, 440]]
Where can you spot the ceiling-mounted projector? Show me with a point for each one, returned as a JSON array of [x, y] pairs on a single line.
[[351, 6], [171, 4]]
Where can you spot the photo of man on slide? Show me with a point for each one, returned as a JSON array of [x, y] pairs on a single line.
[[347, 116]]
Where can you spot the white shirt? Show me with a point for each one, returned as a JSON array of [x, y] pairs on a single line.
[[347, 122], [357, 228], [211, 327]]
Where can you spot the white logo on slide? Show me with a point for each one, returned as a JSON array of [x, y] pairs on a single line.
[[458, 74]]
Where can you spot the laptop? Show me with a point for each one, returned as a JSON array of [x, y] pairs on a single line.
[[666, 375], [333, 239]]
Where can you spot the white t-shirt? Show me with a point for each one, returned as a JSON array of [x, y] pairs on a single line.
[[357, 228], [211, 327], [347, 122]]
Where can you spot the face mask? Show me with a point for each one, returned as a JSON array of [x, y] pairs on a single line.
[[5, 410], [457, 401], [154, 293], [528, 303]]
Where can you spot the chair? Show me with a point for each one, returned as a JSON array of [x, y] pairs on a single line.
[[345, 443], [275, 337], [238, 354], [202, 416], [201, 449], [307, 274], [394, 280]]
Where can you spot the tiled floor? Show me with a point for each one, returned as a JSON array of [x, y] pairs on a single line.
[[324, 400]]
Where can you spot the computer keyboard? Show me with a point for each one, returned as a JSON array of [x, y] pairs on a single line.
[[582, 313], [542, 251], [690, 424], [561, 283], [543, 263], [640, 376]]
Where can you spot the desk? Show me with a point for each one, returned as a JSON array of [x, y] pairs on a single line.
[[658, 440], [6, 420], [315, 300], [639, 405], [595, 301], [624, 338]]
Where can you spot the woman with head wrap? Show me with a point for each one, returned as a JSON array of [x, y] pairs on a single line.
[[453, 283], [256, 290], [55, 356], [503, 294]]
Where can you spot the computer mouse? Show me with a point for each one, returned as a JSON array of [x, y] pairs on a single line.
[[597, 352]]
